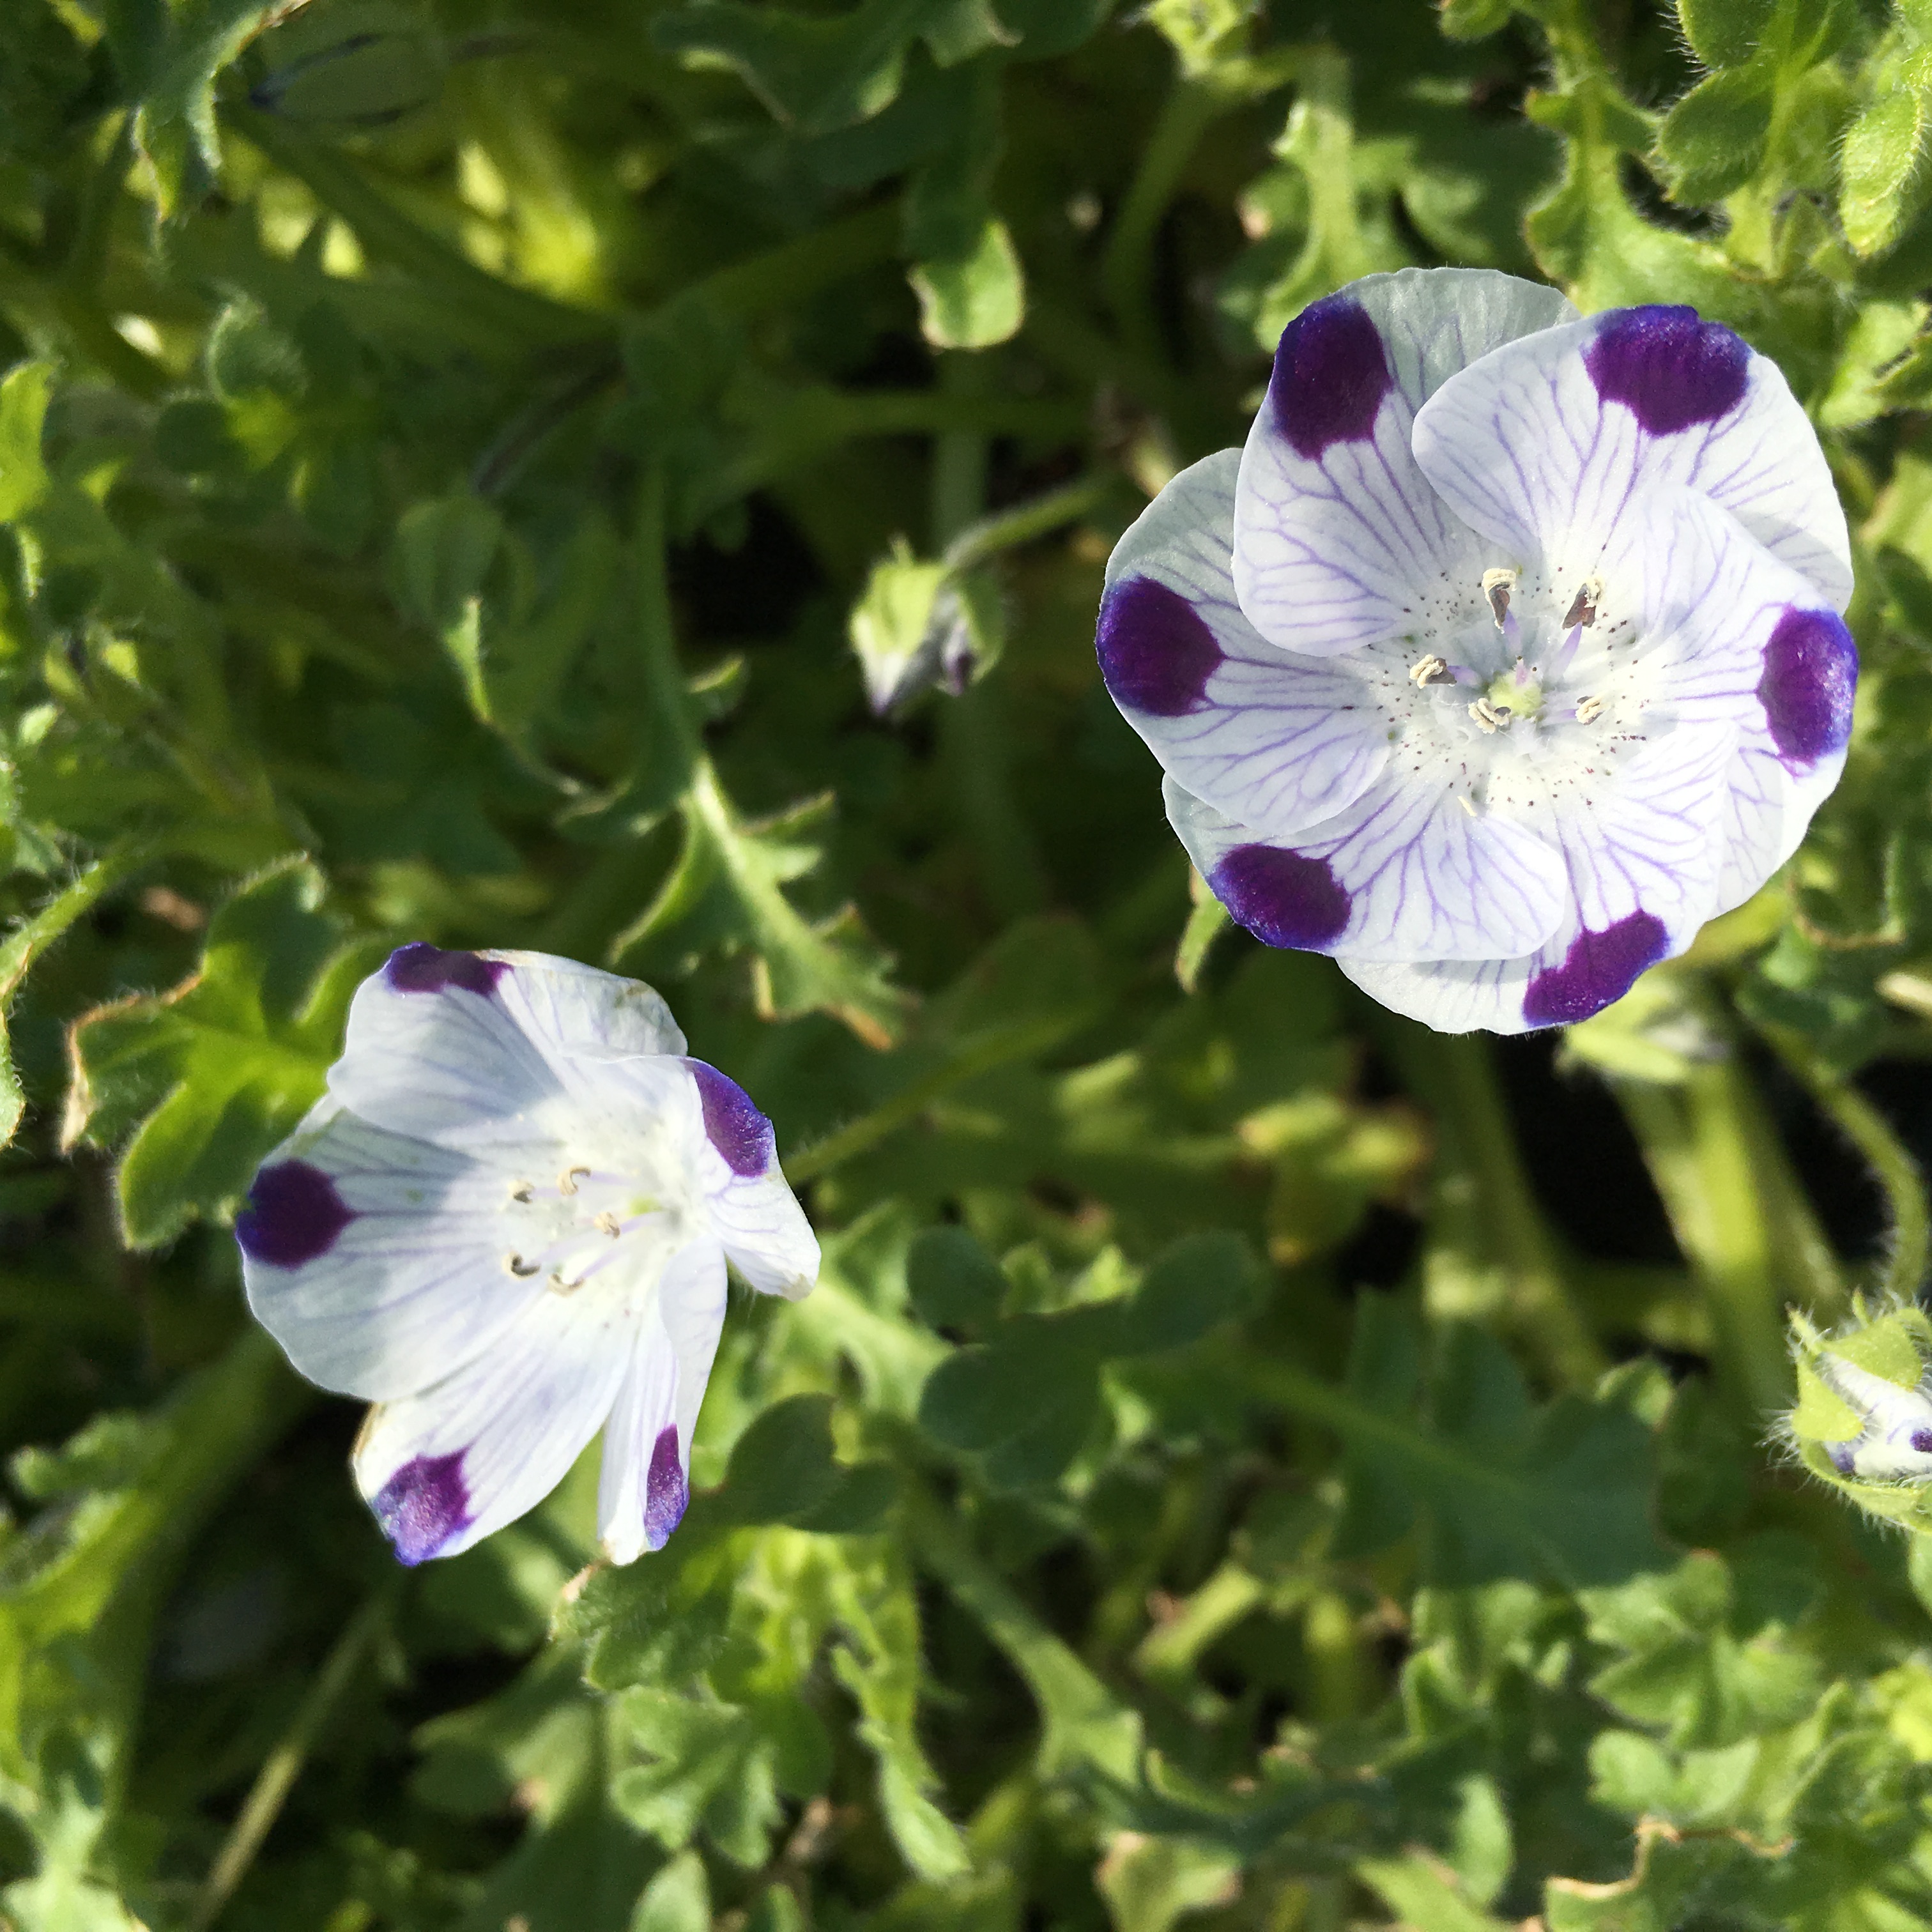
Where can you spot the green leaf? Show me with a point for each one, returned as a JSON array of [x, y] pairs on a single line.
[[174, 124], [1878, 158], [822, 73], [677, 1900], [1503, 1489], [727, 891], [207, 1078], [1726, 33], [976, 300], [952, 1282], [1713, 139], [783, 1469], [24, 392], [715, 1767]]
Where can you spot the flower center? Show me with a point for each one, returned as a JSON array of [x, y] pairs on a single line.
[[575, 1227]]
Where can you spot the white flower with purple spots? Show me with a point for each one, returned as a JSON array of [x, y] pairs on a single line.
[[507, 1224], [1507, 653]]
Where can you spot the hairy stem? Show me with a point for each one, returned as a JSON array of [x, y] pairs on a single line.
[[1696, 1141], [1891, 1162]]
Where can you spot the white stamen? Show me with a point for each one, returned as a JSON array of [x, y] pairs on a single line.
[[558, 1285], [516, 1264], [1427, 670], [1497, 585], [522, 1190], [1589, 710], [566, 1181], [1489, 716], [606, 1223]]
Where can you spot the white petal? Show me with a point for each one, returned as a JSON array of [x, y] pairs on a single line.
[[1265, 735], [1643, 868], [446, 1468], [645, 1484], [376, 1261], [1340, 539], [756, 1215], [473, 1047], [1404, 873], [1543, 446]]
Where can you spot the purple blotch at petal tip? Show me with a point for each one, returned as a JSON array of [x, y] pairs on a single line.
[[1284, 898], [423, 1506], [666, 1492], [733, 1125], [1156, 652], [1331, 373], [1668, 368], [420, 967], [1841, 1455], [292, 1215], [1922, 1442], [1810, 672], [1598, 968]]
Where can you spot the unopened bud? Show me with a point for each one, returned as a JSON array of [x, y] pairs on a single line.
[[1863, 1419], [918, 625]]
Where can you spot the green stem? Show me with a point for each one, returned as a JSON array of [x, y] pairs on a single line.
[[1484, 1200], [284, 1764], [1897, 1172], [1193, 104], [975, 542], [657, 642], [1696, 1142]]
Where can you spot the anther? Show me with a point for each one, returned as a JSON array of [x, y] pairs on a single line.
[[1489, 716], [522, 1191], [606, 1223], [566, 1181], [1583, 606], [522, 1269], [558, 1285], [1497, 585], [1589, 710], [1427, 670]]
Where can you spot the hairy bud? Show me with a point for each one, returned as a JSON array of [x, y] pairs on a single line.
[[1863, 1419]]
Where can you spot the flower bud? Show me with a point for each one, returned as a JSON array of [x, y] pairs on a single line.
[[1863, 1419], [922, 624]]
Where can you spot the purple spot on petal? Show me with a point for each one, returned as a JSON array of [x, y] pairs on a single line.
[[733, 1125], [292, 1214], [423, 968], [1284, 898], [1330, 375], [665, 1492], [423, 1505], [1840, 1454], [1156, 650], [1668, 369], [1599, 967], [1922, 1442], [1810, 671]]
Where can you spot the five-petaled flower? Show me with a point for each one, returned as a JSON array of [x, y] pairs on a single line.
[[506, 1224], [1506, 653]]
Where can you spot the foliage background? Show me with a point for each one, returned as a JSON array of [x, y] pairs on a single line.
[[1250, 1463]]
